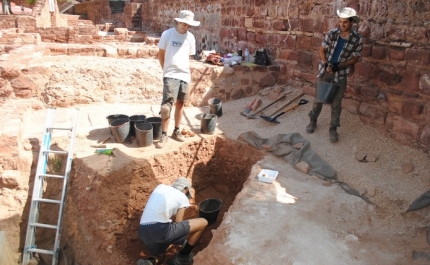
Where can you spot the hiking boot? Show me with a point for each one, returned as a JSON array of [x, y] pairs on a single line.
[[181, 260], [162, 142], [177, 135], [311, 126], [165, 111], [146, 262], [334, 136]]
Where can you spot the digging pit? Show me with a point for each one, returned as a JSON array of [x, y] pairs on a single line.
[[106, 195]]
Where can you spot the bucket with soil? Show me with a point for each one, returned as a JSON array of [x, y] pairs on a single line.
[[120, 129], [209, 209], [156, 127], [133, 120], [144, 135]]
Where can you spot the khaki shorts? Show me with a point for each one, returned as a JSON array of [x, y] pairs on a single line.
[[174, 89]]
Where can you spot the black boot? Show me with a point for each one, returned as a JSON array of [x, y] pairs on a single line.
[[311, 126], [334, 136]]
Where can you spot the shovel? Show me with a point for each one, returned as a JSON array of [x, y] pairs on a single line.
[[248, 108], [273, 119]]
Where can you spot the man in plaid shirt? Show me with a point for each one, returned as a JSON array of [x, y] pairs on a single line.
[[340, 49]]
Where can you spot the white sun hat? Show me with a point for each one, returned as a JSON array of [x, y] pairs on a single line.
[[187, 17], [348, 12]]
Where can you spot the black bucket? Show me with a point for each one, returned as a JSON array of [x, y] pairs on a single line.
[[120, 129], [215, 106], [209, 209], [156, 127], [113, 117], [133, 120], [144, 134], [208, 123], [326, 92]]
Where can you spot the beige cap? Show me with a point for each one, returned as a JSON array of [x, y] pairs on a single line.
[[181, 183]]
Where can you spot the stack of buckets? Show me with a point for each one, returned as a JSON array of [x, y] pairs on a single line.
[[146, 130]]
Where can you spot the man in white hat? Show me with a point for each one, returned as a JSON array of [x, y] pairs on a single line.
[[175, 48], [340, 49], [157, 230]]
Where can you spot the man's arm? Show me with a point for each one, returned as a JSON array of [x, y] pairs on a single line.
[[161, 54], [351, 61], [179, 217], [322, 51]]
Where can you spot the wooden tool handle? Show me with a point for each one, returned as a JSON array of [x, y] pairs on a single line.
[[286, 104], [291, 108]]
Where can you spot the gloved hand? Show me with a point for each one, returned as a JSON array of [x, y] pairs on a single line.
[[335, 67]]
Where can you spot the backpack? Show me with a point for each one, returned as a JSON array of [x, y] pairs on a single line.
[[261, 57]]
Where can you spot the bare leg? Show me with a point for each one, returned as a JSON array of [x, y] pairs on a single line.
[[178, 112], [197, 228], [165, 124]]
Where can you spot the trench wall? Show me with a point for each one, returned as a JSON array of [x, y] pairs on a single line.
[[390, 88], [104, 206]]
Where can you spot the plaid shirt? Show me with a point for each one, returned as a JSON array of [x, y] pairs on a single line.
[[352, 48]]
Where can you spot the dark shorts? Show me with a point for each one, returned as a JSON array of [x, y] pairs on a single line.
[[174, 89], [158, 237]]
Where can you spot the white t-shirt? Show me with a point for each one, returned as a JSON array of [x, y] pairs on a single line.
[[178, 49], [164, 202]]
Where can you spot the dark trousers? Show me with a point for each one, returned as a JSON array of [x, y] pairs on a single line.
[[336, 106]]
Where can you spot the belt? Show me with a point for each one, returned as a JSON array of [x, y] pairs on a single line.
[[152, 223]]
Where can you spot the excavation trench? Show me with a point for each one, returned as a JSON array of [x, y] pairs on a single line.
[[106, 196]]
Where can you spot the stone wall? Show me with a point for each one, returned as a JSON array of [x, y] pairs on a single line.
[[390, 88]]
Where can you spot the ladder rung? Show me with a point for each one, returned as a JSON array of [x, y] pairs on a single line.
[[44, 225], [56, 128], [48, 200], [41, 251], [52, 176], [56, 152]]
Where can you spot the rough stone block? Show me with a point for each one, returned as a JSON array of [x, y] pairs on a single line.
[[412, 109], [410, 80], [425, 135], [370, 92], [421, 56], [395, 103], [403, 130], [302, 166], [389, 78], [424, 84], [372, 114], [367, 50], [304, 43], [397, 54], [9, 179], [350, 105], [378, 52]]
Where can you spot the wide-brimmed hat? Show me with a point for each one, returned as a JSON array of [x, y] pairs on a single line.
[[181, 183], [348, 12], [187, 17]]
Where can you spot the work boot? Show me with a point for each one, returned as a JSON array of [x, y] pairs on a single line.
[[181, 260], [162, 142], [177, 135], [165, 110], [146, 262], [334, 136], [311, 126]]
